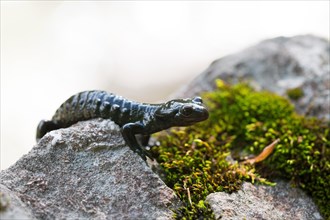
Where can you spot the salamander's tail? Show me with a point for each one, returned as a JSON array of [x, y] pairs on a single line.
[[45, 127]]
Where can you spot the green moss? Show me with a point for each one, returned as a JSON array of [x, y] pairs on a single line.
[[196, 159], [295, 93]]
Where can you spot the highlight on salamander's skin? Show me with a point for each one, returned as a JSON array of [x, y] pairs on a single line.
[[134, 118]]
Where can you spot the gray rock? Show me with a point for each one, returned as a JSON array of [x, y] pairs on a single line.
[[87, 171], [12, 207], [277, 65], [264, 202]]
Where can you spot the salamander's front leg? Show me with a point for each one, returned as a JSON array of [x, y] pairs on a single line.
[[129, 131], [143, 140]]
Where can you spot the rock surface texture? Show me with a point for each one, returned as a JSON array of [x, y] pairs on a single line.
[[85, 171], [263, 202], [277, 65]]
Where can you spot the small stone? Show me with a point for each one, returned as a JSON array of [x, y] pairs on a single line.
[[264, 202]]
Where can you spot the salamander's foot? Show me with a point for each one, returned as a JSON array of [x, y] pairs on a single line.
[[142, 153], [148, 154]]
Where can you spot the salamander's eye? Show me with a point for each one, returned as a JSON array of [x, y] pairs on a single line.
[[198, 99], [186, 110]]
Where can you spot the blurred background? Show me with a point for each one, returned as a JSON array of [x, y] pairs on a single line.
[[142, 50]]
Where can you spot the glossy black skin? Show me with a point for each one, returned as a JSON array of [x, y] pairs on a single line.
[[134, 118]]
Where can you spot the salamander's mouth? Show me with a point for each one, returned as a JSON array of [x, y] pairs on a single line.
[[202, 116], [205, 116], [197, 116]]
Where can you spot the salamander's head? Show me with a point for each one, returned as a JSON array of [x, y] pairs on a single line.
[[183, 112]]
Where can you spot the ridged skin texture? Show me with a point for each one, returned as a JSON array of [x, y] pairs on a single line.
[[134, 118], [100, 104]]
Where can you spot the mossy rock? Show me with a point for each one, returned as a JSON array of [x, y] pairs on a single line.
[[295, 93], [205, 158]]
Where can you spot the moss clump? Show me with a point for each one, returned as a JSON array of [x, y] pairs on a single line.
[[295, 93], [242, 122]]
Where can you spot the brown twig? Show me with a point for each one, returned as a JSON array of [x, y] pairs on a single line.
[[188, 191], [264, 154]]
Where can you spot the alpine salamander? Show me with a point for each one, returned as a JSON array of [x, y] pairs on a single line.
[[134, 118]]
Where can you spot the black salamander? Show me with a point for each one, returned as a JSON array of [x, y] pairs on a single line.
[[134, 118]]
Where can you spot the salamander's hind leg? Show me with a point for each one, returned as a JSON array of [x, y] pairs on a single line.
[[45, 127]]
